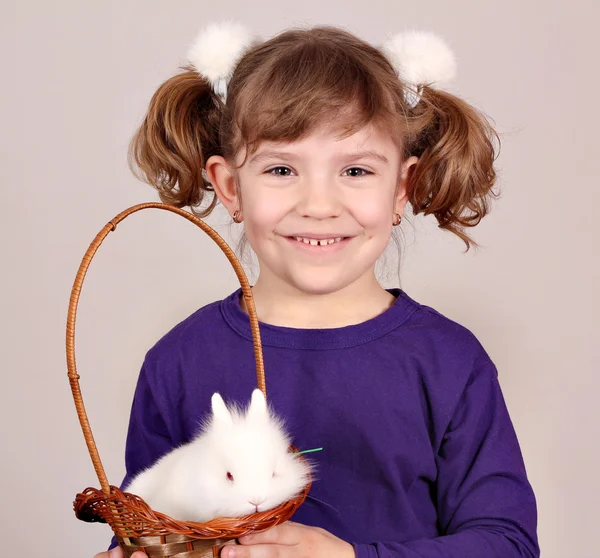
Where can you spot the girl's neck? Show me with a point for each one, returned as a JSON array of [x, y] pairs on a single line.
[[281, 305]]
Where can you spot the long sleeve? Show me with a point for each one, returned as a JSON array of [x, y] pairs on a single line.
[[486, 507]]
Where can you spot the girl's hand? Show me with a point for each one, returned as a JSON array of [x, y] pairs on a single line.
[[117, 552], [290, 540]]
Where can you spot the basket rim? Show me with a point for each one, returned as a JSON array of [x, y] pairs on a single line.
[[88, 502]]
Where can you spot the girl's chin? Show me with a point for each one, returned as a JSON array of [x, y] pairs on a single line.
[[319, 283], [315, 278]]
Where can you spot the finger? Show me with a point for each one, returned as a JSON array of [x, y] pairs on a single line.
[[287, 534], [258, 551]]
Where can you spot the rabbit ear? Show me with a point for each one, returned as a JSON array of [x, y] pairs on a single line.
[[219, 409], [258, 405]]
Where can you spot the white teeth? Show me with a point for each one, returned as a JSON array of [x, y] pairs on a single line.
[[315, 242]]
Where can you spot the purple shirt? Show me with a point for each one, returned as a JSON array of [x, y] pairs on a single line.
[[420, 456]]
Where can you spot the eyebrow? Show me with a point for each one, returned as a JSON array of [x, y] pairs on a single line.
[[259, 157]]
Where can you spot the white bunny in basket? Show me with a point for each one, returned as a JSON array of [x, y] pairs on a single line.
[[239, 464]]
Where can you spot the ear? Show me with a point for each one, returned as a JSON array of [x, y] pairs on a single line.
[[220, 175], [219, 409], [258, 405], [402, 193]]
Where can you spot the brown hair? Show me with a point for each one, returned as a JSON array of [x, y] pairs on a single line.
[[284, 88]]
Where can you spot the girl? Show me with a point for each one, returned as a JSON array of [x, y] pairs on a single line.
[[316, 145]]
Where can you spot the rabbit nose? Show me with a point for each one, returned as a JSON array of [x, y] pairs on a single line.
[[256, 502]]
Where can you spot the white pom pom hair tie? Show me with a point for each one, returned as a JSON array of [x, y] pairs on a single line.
[[216, 50], [420, 58]]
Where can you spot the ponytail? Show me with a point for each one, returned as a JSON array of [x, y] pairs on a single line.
[[179, 133], [455, 175]]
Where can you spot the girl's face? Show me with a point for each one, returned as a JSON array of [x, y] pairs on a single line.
[[318, 212]]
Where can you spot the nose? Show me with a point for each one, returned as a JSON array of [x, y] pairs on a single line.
[[256, 502], [319, 199]]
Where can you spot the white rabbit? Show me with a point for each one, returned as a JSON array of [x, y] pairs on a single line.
[[237, 465]]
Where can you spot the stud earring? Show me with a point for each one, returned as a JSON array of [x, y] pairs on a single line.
[[397, 220], [236, 216]]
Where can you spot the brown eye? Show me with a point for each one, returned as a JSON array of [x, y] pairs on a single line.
[[229, 476], [276, 173]]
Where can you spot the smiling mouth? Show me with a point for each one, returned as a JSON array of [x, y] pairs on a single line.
[[318, 241]]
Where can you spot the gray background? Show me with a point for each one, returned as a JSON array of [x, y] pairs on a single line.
[[77, 77]]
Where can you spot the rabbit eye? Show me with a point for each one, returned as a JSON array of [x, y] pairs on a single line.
[[229, 476]]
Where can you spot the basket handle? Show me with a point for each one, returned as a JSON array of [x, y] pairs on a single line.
[[74, 300]]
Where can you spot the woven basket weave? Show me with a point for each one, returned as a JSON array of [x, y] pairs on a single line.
[[135, 524]]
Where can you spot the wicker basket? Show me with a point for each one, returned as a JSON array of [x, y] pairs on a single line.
[[135, 524]]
